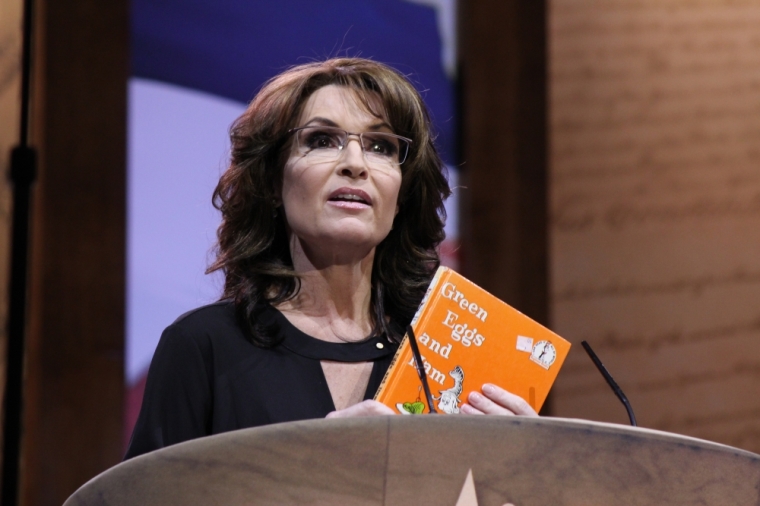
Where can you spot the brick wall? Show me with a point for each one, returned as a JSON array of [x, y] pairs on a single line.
[[655, 204]]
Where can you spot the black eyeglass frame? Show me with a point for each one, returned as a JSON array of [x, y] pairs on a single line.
[[407, 140]]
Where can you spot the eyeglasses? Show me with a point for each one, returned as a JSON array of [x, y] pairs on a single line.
[[325, 144]]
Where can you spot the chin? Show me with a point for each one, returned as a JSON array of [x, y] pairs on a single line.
[[353, 232], [356, 240], [344, 237], [351, 237]]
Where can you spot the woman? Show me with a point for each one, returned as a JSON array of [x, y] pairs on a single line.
[[332, 209]]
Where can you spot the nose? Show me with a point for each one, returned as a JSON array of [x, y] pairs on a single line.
[[351, 162]]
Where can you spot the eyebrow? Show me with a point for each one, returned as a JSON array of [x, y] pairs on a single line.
[[329, 122]]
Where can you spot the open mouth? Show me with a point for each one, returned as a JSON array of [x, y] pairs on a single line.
[[348, 198]]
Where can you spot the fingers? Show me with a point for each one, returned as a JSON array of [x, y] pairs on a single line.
[[512, 402], [496, 401], [468, 409], [483, 405], [364, 408], [492, 401]]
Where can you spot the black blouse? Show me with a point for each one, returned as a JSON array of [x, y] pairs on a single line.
[[206, 377]]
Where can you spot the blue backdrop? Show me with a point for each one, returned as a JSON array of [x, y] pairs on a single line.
[[230, 47]]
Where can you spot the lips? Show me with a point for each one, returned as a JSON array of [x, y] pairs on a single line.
[[350, 195]]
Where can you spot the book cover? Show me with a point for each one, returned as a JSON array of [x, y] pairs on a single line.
[[468, 337]]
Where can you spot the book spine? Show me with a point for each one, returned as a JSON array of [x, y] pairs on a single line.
[[403, 348], [433, 287], [386, 379]]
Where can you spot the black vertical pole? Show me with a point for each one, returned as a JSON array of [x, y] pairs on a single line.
[[22, 175]]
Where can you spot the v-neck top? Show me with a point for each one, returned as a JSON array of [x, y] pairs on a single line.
[[207, 377]]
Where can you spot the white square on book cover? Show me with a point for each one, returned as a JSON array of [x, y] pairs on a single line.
[[524, 343]]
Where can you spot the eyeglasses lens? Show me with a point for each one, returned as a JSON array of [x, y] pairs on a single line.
[[324, 143]]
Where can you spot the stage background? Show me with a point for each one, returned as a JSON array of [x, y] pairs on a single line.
[[652, 182]]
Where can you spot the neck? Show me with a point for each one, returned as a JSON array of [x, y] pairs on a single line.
[[333, 302]]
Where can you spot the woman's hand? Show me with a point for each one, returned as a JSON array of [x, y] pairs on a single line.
[[496, 401], [364, 408]]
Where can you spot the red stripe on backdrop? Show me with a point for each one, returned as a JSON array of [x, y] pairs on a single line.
[[449, 253], [132, 402]]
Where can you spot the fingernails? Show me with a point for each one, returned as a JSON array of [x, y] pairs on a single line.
[[489, 388], [476, 397], [467, 409]]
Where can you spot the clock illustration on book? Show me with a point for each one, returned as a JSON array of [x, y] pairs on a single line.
[[543, 354]]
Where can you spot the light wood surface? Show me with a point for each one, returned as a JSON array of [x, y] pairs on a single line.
[[654, 120], [426, 459]]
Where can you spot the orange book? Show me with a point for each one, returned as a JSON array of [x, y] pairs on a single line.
[[468, 337]]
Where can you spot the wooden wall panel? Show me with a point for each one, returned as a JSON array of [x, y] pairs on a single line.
[[73, 403], [504, 150], [655, 210], [10, 100]]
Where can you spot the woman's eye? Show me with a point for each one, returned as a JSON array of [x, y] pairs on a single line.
[[383, 147], [322, 140]]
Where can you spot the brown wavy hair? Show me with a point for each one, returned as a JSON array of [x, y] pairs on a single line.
[[252, 248]]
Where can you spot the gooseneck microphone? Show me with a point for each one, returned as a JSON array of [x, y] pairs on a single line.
[[611, 382]]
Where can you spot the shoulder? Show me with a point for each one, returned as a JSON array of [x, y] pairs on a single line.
[[215, 328], [205, 327], [218, 314], [207, 339]]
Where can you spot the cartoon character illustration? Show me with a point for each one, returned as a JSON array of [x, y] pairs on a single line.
[[449, 400], [412, 408]]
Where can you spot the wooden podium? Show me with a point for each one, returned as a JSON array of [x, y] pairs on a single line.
[[425, 459]]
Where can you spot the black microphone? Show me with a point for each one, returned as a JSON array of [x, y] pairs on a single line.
[[611, 382], [420, 369]]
